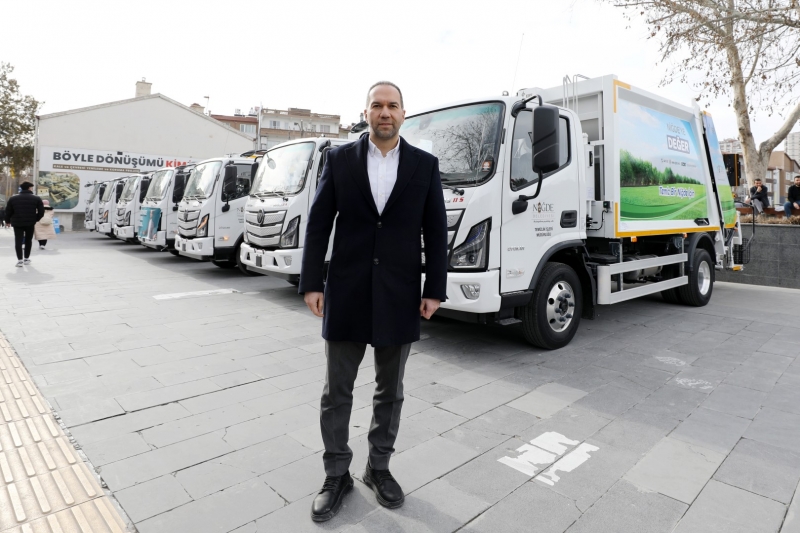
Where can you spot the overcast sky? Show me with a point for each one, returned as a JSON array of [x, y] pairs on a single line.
[[323, 55]]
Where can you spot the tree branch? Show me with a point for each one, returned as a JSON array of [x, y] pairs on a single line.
[[778, 137]]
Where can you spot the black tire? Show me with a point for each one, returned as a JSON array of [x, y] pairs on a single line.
[[536, 322], [701, 280], [671, 295], [242, 267]]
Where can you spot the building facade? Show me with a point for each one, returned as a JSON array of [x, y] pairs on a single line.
[[730, 146], [780, 175], [281, 125], [793, 145]]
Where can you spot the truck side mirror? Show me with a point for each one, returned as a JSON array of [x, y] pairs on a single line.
[[545, 139], [177, 190]]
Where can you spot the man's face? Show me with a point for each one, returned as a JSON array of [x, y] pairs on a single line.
[[797, 181], [758, 183], [384, 112]]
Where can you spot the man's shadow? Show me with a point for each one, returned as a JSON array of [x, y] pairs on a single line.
[[28, 274]]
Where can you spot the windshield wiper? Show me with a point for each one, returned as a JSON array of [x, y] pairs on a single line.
[[456, 190]]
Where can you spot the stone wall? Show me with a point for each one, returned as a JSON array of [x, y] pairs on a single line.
[[774, 257]]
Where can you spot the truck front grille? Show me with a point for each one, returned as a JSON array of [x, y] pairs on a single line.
[[187, 222], [264, 227]]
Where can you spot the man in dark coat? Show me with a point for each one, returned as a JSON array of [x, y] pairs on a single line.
[[23, 211], [382, 192], [759, 196]]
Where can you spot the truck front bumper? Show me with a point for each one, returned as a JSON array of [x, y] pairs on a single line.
[[159, 242], [104, 228], [201, 249], [488, 300], [89, 225], [124, 232], [284, 264]]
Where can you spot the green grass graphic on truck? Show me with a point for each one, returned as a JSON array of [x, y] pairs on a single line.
[[648, 193]]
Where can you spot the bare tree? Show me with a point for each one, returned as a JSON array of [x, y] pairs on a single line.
[[17, 123], [745, 49]]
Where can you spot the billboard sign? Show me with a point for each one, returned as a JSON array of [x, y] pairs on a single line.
[[64, 173]]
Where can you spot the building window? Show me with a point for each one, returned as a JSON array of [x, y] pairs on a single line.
[[275, 124], [324, 128], [248, 128]]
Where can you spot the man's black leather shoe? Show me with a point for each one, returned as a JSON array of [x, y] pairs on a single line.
[[385, 487], [330, 497]]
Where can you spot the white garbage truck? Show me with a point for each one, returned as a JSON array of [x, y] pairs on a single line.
[[276, 213], [158, 222], [126, 218], [563, 200], [211, 212], [107, 205], [90, 215]]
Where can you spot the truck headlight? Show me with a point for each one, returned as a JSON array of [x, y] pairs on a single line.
[[474, 251], [202, 228], [289, 237], [128, 218], [244, 236], [105, 216]]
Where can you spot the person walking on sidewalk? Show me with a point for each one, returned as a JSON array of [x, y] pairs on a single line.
[[385, 192], [44, 229], [23, 211], [2, 216]]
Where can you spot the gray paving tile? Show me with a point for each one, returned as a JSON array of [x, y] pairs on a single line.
[[430, 460], [221, 511], [280, 401], [266, 456], [721, 508], [298, 479], [675, 469], [737, 401], [547, 400], [215, 400], [435, 393], [791, 524], [626, 508], [143, 400], [574, 422], [153, 497], [589, 378], [784, 397], [611, 400], [91, 412], [437, 420], [762, 469], [115, 449], [155, 463], [636, 431], [698, 378], [672, 401], [309, 436], [480, 441], [196, 425], [127, 423], [480, 400], [211, 476], [711, 429], [753, 378], [530, 504], [503, 420]]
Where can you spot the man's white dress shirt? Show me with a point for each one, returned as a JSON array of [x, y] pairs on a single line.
[[382, 173]]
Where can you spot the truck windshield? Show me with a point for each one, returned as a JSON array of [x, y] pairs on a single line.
[[201, 181], [158, 185], [109, 189], [283, 170], [130, 189], [94, 192], [465, 139]]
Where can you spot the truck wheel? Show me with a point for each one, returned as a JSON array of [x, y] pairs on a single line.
[[701, 280], [174, 252], [553, 315], [242, 266], [224, 264]]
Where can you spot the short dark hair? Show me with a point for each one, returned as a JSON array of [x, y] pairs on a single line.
[[389, 84], [25, 185], [757, 179]]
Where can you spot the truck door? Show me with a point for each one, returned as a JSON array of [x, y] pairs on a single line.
[[230, 224], [552, 218]]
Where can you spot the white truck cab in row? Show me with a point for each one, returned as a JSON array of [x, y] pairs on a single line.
[[277, 209], [107, 205], [158, 224], [126, 218], [211, 213], [556, 210], [92, 204]]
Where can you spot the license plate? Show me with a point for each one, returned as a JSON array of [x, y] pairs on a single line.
[[258, 260]]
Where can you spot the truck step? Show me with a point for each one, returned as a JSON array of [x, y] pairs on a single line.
[[508, 321]]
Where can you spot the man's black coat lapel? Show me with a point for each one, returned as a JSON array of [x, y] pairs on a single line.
[[405, 170], [357, 160]]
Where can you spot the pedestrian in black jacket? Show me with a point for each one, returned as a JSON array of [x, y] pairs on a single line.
[[23, 211], [759, 196], [792, 198]]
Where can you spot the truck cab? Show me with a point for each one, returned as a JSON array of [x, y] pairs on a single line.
[[126, 218], [550, 217], [90, 216], [159, 218], [107, 206], [277, 208], [211, 212]]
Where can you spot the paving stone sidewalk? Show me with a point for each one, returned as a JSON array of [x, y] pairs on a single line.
[[200, 412]]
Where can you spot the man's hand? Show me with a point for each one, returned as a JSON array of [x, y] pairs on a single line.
[[428, 307], [747, 200], [796, 205], [315, 301]]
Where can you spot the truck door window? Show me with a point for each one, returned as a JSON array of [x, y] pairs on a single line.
[[521, 152], [242, 183]]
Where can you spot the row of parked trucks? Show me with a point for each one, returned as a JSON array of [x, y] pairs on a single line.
[[559, 201]]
